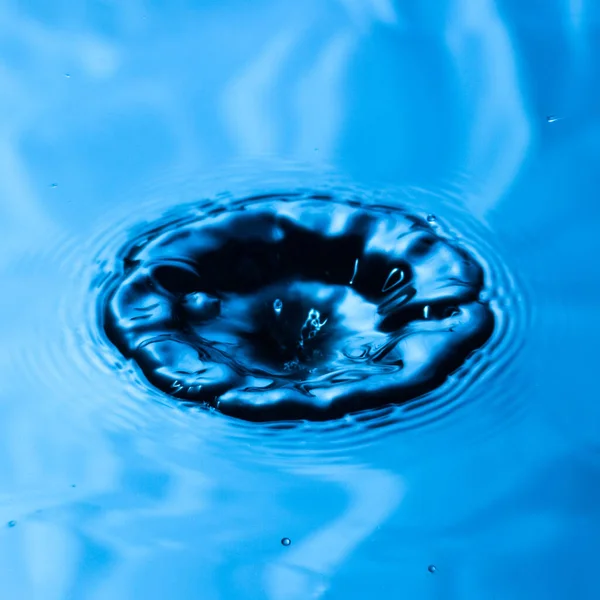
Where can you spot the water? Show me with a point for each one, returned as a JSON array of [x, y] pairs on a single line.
[[195, 303], [116, 115]]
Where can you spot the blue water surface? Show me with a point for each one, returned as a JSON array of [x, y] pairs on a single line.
[[484, 113]]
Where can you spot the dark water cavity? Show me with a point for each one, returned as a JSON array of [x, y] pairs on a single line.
[[288, 307]]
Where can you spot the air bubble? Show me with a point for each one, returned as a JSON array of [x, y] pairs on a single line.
[[286, 541], [553, 118], [277, 306], [431, 218], [12, 523], [432, 568]]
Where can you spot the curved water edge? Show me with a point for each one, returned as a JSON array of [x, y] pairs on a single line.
[[128, 402], [297, 306]]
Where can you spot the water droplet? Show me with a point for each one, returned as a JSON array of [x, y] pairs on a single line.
[[12, 523], [395, 278], [286, 541], [431, 219], [432, 568], [552, 118], [355, 272], [277, 306], [426, 312]]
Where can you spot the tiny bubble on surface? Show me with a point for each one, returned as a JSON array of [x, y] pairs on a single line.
[[552, 118], [432, 568], [54, 185], [12, 523], [286, 541], [67, 75], [431, 218]]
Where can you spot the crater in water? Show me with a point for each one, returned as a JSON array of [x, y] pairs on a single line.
[[289, 307]]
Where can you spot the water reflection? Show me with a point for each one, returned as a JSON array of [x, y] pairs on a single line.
[[498, 131], [248, 111]]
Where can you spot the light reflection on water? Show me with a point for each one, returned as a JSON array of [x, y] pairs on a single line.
[[116, 494]]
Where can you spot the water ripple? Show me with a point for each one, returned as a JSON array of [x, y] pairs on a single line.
[[81, 358]]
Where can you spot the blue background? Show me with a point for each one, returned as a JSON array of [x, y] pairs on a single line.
[[111, 112]]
